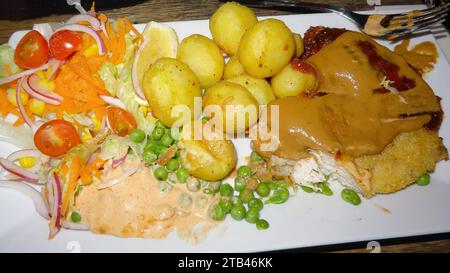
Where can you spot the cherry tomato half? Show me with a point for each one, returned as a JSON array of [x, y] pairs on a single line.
[[64, 43], [31, 51], [54, 138], [121, 121]]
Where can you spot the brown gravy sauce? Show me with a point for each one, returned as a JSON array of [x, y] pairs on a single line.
[[422, 57], [351, 118]]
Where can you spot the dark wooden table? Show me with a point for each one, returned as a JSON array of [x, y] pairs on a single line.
[[176, 10]]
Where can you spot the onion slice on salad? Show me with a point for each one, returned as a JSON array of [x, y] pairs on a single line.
[[31, 86], [134, 77], [127, 173], [24, 73], [29, 191], [113, 101], [45, 29], [54, 66], [80, 28], [24, 153], [24, 114], [94, 22], [55, 221], [19, 171], [117, 162]]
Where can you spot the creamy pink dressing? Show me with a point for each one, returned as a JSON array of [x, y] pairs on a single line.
[[142, 206]]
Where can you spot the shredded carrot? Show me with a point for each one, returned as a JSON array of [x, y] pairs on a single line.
[[4, 107], [88, 171], [74, 173], [135, 31], [7, 69]]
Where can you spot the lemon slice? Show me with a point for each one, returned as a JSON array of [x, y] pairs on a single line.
[[160, 41]]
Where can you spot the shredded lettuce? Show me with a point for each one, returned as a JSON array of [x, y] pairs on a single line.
[[118, 82], [7, 57]]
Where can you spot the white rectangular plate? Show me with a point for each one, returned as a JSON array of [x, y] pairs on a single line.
[[305, 220]]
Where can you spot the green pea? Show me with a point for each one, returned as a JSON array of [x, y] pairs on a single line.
[[159, 149], [226, 190], [166, 139], [149, 156], [324, 188], [160, 173], [263, 189], [423, 180], [350, 196], [160, 125], [157, 133], [214, 186], [137, 135], [75, 217], [217, 213], [226, 205], [278, 184], [279, 196], [244, 171], [256, 203], [246, 195], [239, 184], [238, 212], [252, 215], [236, 200], [307, 189], [172, 165], [182, 175], [255, 157], [150, 146], [262, 224]]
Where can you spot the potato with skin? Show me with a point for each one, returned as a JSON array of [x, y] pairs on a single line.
[[297, 77], [210, 159], [266, 48], [233, 68], [169, 83], [204, 57], [299, 46], [230, 94], [228, 23], [259, 88]]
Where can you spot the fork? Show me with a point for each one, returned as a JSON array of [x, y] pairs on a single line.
[[390, 26]]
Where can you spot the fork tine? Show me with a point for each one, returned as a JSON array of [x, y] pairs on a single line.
[[424, 23], [396, 35], [423, 16], [420, 13]]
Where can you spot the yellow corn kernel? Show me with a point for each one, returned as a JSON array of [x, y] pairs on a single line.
[[97, 124], [85, 135], [11, 94], [27, 162], [92, 50], [49, 85], [37, 107], [41, 74], [144, 110]]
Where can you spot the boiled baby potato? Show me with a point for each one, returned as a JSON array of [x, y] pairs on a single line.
[[266, 48], [229, 23], [233, 68], [204, 57], [299, 47], [209, 158], [169, 83], [226, 93], [297, 77], [259, 88]]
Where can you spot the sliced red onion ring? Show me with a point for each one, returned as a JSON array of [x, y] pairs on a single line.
[[94, 22], [24, 153], [23, 73], [24, 114], [31, 86], [103, 28], [45, 29], [19, 171], [98, 39], [113, 101], [117, 162], [55, 221], [134, 77], [54, 66], [127, 173], [31, 192], [74, 226]]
